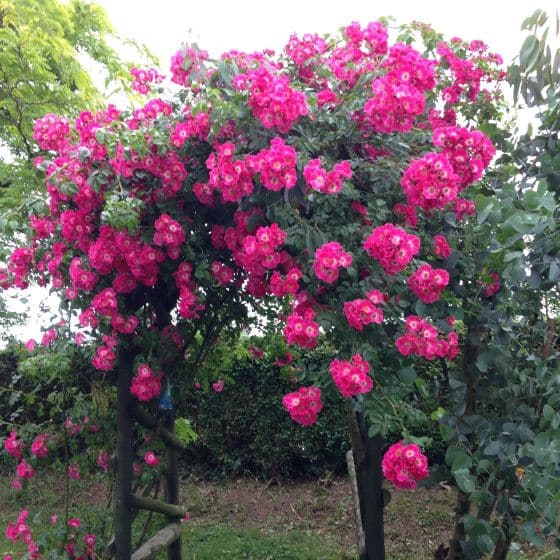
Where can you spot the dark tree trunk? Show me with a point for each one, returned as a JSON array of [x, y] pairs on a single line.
[[502, 549], [472, 348], [462, 507], [368, 452], [371, 500], [503, 545], [486, 509], [125, 440]]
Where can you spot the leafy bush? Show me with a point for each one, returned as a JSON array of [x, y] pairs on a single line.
[[32, 383], [244, 428]]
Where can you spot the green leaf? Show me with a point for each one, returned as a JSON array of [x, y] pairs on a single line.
[[531, 21], [529, 532], [522, 222], [407, 375], [457, 459], [484, 543], [253, 223], [484, 212], [529, 53], [554, 271], [485, 359], [512, 256], [483, 466], [438, 413], [420, 308], [184, 431], [492, 448], [465, 480], [548, 412]]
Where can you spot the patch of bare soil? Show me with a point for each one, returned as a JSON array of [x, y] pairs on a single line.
[[416, 522]]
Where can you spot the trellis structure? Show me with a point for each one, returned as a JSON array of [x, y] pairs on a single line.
[[127, 502], [367, 452]]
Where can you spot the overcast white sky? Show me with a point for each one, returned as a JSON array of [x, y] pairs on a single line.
[[219, 25]]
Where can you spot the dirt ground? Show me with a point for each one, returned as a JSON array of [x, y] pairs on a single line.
[[416, 522], [419, 520]]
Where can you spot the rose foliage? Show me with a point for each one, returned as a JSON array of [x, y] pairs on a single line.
[[327, 187]]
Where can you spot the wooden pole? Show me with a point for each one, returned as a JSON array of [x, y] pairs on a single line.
[[166, 429], [356, 502], [162, 539], [151, 504], [151, 423], [370, 490], [549, 338], [125, 438]]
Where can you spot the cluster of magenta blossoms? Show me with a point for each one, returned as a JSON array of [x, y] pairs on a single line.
[[441, 247], [74, 536], [351, 378], [424, 340], [304, 405], [428, 283], [362, 312], [317, 177], [20, 530], [257, 186], [392, 246], [30, 455], [404, 465], [76, 546], [145, 385], [494, 286], [329, 258], [143, 79]]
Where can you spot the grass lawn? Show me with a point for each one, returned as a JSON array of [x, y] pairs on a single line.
[[248, 520], [209, 543]]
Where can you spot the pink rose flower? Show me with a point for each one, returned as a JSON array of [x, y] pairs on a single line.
[[31, 344], [218, 386], [150, 459]]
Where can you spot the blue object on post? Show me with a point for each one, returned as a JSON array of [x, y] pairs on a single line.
[[165, 403]]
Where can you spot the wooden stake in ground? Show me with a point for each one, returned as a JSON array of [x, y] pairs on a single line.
[[356, 502], [162, 539], [172, 488]]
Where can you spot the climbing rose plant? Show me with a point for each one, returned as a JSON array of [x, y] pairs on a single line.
[[312, 186]]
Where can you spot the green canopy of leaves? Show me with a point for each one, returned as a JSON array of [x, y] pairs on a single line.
[[54, 58]]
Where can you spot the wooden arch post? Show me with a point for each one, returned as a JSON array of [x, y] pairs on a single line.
[[124, 459], [127, 503], [367, 454]]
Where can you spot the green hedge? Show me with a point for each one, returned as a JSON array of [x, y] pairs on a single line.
[[244, 429]]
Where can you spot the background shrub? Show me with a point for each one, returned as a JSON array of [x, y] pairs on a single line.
[[245, 429], [242, 430]]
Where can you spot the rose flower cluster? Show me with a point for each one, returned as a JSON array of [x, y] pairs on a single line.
[[352, 377], [404, 465], [251, 184], [304, 405]]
